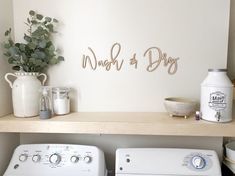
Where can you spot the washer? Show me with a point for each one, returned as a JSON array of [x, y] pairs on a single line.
[[167, 162], [57, 159]]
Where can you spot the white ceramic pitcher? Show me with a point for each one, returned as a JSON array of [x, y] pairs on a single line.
[[25, 93]]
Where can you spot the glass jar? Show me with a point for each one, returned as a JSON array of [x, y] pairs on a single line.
[[45, 103], [61, 100]]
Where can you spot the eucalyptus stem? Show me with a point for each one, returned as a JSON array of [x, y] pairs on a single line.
[[38, 51]]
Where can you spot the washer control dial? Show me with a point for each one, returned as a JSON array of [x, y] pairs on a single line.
[[74, 159], [23, 157], [36, 158], [55, 158], [87, 159], [198, 162]]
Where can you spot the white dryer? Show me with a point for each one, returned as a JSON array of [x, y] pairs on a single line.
[[56, 159], [166, 162]]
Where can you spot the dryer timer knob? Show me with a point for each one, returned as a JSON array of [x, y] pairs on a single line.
[[198, 162]]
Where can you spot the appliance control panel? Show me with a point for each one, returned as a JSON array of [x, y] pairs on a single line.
[[167, 161], [57, 159]]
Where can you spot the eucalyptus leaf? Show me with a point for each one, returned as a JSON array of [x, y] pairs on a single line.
[[50, 27], [24, 57], [34, 55], [32, 60], [17, 45], [10, 41], [53, 61], [39, 16], [38, 62], [7, 54], [7, 45], [48, 19], [55, 20], [17, 68], [60, 58], [31, 12], [10, 60], [8, 32], [13, 51], [51, 48], [34, 22], [40, 54], [42, 44], [22, 47], [27, 38], [26, 68], [35, 41], [31, 45]]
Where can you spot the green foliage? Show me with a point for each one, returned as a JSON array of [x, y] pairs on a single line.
[[38, 51]]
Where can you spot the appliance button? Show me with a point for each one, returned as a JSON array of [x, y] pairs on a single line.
[[55, 158], [23, 157], [36, 158], [74, 159], [198, 162], [87, 159]]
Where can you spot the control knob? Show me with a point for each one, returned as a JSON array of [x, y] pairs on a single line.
[[55, 158], [36, 158], [87, 159], [198, 162], [23, 157], [74, 159]]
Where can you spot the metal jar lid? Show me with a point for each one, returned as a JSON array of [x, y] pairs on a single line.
[[60, 89]]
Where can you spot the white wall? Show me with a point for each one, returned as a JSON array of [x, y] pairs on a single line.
[[7, 141], [6, 21], [231, 50], [196, 31]]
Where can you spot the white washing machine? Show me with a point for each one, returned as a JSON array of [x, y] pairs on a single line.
[[166, 162], [56, 160]]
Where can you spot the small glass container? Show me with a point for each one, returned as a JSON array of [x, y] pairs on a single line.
[[61, 100], [45, 103]]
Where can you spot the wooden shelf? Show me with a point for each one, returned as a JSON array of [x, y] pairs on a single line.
[[117, 123]]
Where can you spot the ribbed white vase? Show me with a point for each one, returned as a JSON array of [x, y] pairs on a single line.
[[25, 93]]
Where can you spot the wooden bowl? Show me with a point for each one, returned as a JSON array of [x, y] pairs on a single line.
[[181, 107]]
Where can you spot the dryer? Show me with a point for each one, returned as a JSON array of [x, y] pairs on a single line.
[[56, 159], [166, 162]]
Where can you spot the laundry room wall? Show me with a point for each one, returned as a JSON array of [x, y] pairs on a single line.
[[196, 31], [7, 141], [193, 34], [231, 49], [6, 21]]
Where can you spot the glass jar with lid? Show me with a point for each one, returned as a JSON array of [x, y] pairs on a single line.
[[61, 100]]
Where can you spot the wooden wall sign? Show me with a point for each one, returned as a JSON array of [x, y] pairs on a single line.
[[153, 56]]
